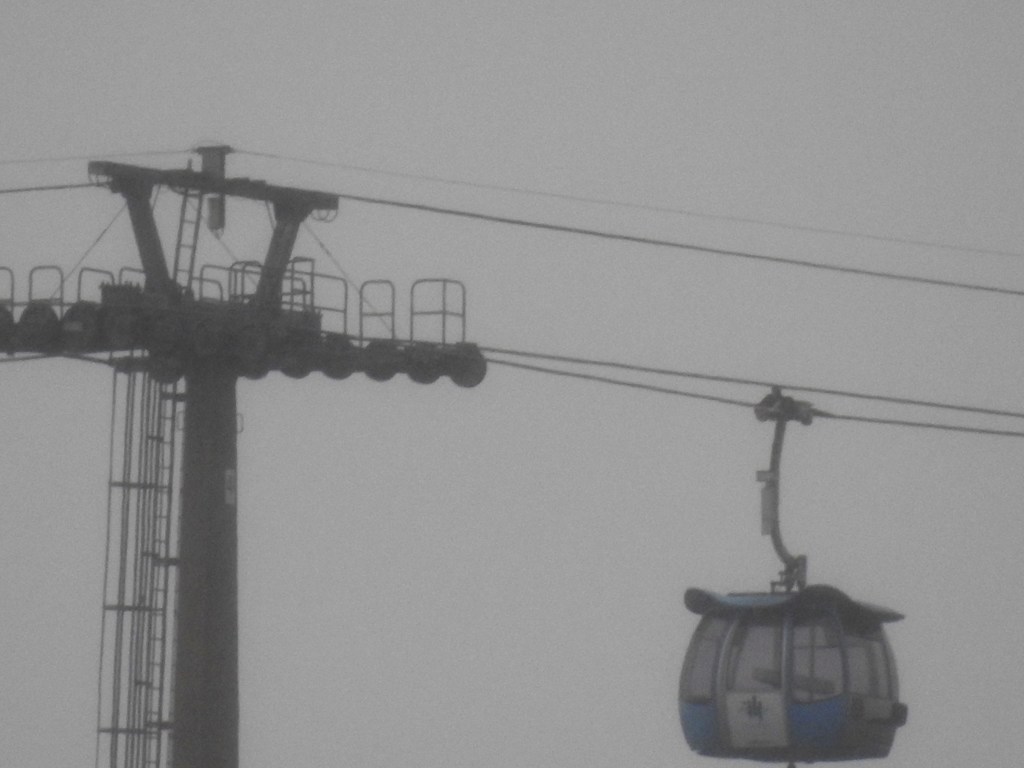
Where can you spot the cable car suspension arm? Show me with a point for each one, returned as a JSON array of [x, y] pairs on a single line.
[[780, 409]]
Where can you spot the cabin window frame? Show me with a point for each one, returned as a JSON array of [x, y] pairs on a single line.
[[710, 636], [869, 663], [756, 680], [818, 675]]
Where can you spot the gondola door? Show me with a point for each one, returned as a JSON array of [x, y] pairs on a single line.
[[755, 703]]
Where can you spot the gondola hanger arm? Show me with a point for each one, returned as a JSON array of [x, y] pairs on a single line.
[[781, 409]]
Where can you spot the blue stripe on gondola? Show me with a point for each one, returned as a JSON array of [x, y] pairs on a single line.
[[699, 726], [817, 725]]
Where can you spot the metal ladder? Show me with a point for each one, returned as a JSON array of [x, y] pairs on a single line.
[[191, 216], [162, 565], [139, 591]]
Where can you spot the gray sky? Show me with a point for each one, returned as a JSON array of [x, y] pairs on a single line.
[[434, 576]]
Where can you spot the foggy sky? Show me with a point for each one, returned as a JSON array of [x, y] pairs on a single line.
[[433, 576]]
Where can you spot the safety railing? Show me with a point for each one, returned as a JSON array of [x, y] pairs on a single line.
[[436, 312]]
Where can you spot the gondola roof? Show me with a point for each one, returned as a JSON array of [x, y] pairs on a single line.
[[702, 601]]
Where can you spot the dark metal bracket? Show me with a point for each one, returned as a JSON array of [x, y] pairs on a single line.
[[780, 409]]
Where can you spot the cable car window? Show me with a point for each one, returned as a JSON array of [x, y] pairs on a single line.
[[817, 659], [890, 665], [755, 657], [869, 666], [698, 679]]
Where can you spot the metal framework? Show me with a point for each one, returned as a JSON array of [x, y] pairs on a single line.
[[179, 335]]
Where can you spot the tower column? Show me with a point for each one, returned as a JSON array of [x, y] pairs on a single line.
[[206, 711]]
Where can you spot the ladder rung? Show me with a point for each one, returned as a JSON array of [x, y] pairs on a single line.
[[128, 608], [118, 731]]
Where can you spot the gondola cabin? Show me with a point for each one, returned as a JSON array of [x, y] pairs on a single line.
[[796, 676]]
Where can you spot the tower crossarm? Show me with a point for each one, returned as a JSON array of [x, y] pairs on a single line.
[[137, 191], [291, 207], [118, 174], [288, 218]]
